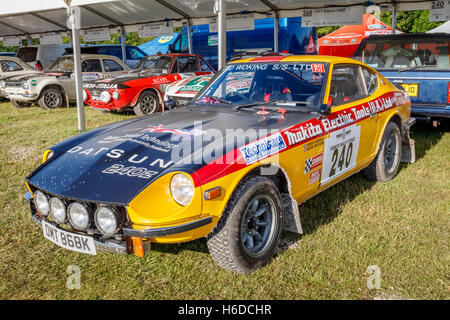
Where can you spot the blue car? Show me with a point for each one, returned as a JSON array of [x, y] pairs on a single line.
[[8, 54], [419, 63]]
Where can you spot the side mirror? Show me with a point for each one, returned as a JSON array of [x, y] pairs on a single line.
[[169, 103], [324, 110]]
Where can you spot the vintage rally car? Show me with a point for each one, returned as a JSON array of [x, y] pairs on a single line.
[[182, 91], [232, 166], [55, 87], [12, 66], [143, 88], [420, 63]]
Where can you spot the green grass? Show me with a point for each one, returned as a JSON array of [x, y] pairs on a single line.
[[401, 226]]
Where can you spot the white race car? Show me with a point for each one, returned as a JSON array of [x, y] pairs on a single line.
[[182, 91]]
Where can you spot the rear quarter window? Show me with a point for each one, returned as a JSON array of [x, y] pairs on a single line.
[[111, 65]]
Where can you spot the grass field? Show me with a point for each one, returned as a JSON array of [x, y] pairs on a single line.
[[402, 227]]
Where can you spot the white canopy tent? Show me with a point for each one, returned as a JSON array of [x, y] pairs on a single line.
[[31, 18], [443, 28]]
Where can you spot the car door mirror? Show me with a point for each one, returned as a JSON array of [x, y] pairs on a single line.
[[324, 110]]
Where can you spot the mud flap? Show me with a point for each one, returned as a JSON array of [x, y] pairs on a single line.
[[291, 215], [408, 144]]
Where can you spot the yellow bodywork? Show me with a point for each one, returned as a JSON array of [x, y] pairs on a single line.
[[155, 208]]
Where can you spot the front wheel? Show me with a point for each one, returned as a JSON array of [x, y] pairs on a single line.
[[51, 98], [247, 235], [385, 165], [148, 103]]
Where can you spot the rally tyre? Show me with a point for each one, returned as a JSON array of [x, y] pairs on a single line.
[[148, 103], [247, 235], [20, 104], [51, 98], [385, 165]]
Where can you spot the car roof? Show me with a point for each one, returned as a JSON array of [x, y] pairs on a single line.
[[176, 55], [93, 56]]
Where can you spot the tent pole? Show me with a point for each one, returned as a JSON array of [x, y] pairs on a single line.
[[123, 40], [394, 18], [221, 19], [189, 33], [276, 28], [77, 68]]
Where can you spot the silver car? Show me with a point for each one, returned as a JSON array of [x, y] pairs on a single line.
[[55, 87]]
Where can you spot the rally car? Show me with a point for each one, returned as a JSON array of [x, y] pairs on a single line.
[[232, 166], [55, 87], [143, 88], [182, 91]]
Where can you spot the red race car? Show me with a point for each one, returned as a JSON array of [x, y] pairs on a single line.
[[143, 88]]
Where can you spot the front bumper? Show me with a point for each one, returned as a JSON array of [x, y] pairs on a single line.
[[129, 234], [22, 96]]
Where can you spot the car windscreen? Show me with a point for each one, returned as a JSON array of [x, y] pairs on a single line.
[[27, 54], [241, 84], [400, 53], [160, 64], [63, 63]]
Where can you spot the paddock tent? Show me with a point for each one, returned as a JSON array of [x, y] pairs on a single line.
[[443, 28], [344, 41]]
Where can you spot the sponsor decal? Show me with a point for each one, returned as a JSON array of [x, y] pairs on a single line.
[[303, 132], [161, 80], [262, 148], [314, 176], [313, 144], [313, 163], [100, 86], [161, 128], [165, 39], [318, 67]]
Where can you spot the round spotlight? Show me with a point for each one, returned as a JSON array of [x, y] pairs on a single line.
[[57, 210], [105, 97], [106, 221], [78, 216], [115, 95], [41, 202]]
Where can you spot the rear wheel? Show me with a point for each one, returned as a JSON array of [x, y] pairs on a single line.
[[148, 103], [20, 104], [385, 165], [248, 233], [51, 98]]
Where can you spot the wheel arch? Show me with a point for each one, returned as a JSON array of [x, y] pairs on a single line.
[[56, 86], [137, 96]]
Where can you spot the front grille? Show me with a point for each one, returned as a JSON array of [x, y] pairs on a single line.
[[92, 230], [13, 84], [181, 101]]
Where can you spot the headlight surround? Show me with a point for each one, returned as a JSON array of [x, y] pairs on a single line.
[[116, 95], [25, 85], [78, 216], [41, 202], [107, 221], [58, 210], [105, 97], [182, 189]]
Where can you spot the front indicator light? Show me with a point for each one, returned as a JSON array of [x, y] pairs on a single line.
[[106, 221], [182, 189], [41, 203], [57, 210], [78, 216], [213, 193]]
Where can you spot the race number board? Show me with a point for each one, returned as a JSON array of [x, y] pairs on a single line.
[[340, 152]]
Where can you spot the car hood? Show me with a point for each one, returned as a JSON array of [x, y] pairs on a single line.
[[114, 163], [38, 75]]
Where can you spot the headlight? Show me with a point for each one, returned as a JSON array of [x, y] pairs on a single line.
[[85, 95], [115, 95], [182, 189], [41, 202], [2, 84], [78, 216], [57, 210], [25, 85], [106, 221], [105, 96]]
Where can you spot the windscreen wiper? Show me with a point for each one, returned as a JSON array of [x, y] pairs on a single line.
[[277, 104], [415, 67], [217, 99]]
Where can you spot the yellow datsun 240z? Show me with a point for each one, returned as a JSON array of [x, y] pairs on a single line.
[[264, 135]]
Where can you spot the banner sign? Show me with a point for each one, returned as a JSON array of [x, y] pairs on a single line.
[[235, 22], [439, 11], [155, 29], [50, 38], [99, 34], [337, 16], [12, 41]]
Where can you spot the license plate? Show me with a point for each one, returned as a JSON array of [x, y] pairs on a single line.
[[69, 240], [412, 89], [96, 98]]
